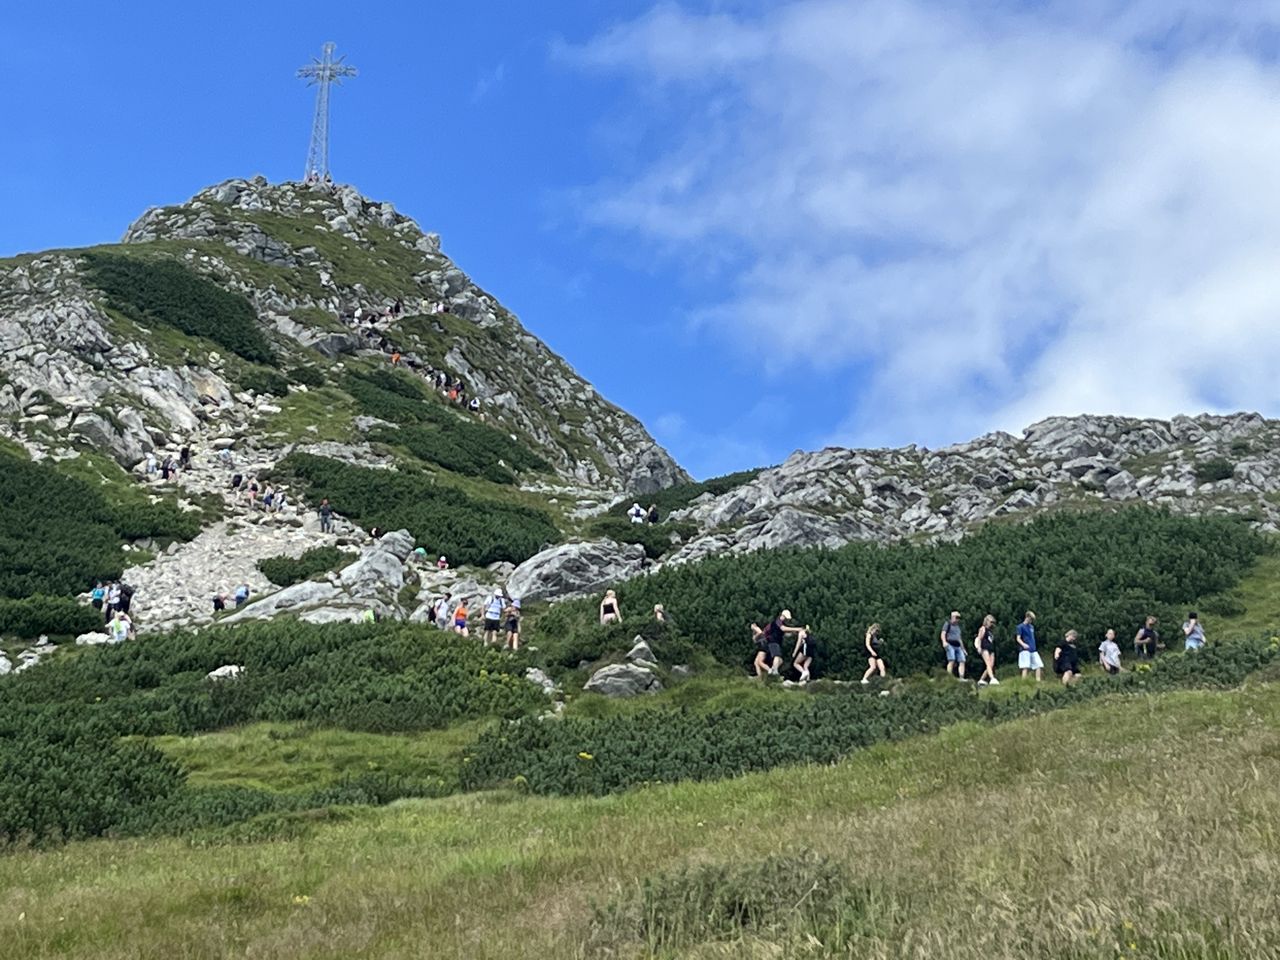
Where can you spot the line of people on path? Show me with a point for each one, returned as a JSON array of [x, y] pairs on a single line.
[[501, 614], [770, 640]]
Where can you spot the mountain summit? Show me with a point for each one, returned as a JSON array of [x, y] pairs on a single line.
[[213, 319]]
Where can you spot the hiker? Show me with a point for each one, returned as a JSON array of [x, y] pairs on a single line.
[[874, 645], [395, 359], [440, 612], [120, 628], [269, 499], [1109, 654], [241, 595], [151, 465], [97, 595], [219, 602], [442, 563], [166, 467], [224, 457], [953, 645], [493, 617], [610, 612], [1028, 659], [1146, 641], [660, 613], [775, 633], [636, 513], [326, 517], [113, 597], [513, 623], [282, 501], [763, 665], [1194, 632], [1066, 663], [653, 513], [802, 654], [125, 598], [236, 480], [251, 494], [985, 644], [474, 405], [184, 458], [460, 618]]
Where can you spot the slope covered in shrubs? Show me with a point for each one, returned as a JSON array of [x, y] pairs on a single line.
[[444, 519], [1082, 571]]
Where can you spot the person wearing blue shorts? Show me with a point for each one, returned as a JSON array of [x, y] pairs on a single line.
[[953, 645]]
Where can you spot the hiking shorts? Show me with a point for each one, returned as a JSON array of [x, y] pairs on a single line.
[[491, 625], [1029, 660], [955, 653]]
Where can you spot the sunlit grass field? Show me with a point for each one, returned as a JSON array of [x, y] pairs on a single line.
[[1145, 827]]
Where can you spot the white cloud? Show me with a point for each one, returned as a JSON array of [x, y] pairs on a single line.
[[488, 82], [1003, 214]]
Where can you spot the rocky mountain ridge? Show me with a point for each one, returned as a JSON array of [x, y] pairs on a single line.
[[332, 276]]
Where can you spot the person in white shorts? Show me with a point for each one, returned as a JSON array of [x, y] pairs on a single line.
[[1028, 659]]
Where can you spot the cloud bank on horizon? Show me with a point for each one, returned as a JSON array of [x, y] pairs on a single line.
[[985, 215]]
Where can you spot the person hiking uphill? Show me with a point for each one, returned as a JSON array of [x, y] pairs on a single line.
[[874, 645], [953, 645], [493, 617], [802, 654], [775, 635], [985, 645]]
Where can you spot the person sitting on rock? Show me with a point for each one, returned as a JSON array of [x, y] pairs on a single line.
[[636, 513], [802, 654], [460, 614], [610, 612], [442, 563], [513, 624], [874, 645], [493, 617]]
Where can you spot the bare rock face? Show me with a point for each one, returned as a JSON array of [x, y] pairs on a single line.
[[575, 570], [623, 680]]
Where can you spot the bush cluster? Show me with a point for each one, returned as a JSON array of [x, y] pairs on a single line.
[[682, 494], [654, 537], [59, 534], [307, 376], [1082, 571], [285, 571], [436, 434], [164, 291], [34, 615], [1211, 471], [581, 755], [443, 519], [263, 380], [60, 726]]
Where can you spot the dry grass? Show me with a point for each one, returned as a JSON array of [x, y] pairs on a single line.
[[1145, 827]]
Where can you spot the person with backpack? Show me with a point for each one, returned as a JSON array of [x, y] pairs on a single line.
[[493, 617], [637, 513], [1147, 640], [653, 513], [953, 645], [874, 645], [120, 628], [985, 644], [125, 599]]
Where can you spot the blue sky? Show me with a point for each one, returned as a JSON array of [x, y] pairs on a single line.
[[757, 226]]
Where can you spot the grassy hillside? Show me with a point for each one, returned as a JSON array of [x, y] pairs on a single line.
[[1142, 827]]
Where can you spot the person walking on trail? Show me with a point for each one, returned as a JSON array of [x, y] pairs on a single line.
[[1193, 630], [126, 597], [610, 612], [802, 654], [775, 635], [637, 513], [874, 645], [1066, 661], [241, 595], [762, 664], [513, 624], [493, 617], [326, 517], [1028, 659], [97, 596], [1109, 654], [184, 458], [439, 612], [460, 614], [652, 515], [113, 597], [953, 645], [985, 645], [1147, 640]]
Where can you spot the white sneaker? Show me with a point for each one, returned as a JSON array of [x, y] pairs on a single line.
[[995, 682], [982, 683], [865, 681]]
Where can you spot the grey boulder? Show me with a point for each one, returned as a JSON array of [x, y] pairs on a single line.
[[623, 680], [575, 570]]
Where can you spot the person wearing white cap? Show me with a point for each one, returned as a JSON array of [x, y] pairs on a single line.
[[774, 635]]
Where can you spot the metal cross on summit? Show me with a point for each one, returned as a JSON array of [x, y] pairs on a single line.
[[323, 72]]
